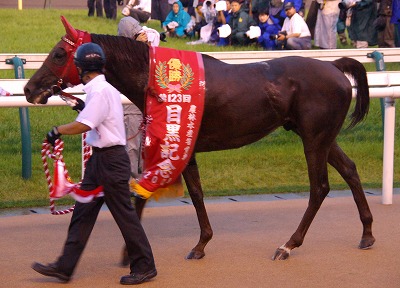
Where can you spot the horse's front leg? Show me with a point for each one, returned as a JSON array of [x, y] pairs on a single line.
[[193, 184], [139, 206], [319, 188]]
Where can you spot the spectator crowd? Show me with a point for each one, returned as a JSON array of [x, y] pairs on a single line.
[[270, 24]]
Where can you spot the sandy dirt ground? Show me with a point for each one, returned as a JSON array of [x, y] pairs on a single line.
[[246, 234]]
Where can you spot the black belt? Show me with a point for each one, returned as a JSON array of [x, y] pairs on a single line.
[[97, 149]]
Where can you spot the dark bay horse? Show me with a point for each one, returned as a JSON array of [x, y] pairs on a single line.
[[243, 103]]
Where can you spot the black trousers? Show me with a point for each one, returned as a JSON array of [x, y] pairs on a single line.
[[110, 7], [99, 7], [140, 15], [160, 10], [109, 167]]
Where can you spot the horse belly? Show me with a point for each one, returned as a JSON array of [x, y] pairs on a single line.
[[235, 125]]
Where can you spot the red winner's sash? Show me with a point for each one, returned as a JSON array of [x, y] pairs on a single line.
[[174, 109]]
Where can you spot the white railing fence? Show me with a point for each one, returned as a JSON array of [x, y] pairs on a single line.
[[383, 84]]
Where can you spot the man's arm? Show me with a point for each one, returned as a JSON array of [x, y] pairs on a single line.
[[73, 128]]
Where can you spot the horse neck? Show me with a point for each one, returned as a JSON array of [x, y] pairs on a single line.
[[127, 67]]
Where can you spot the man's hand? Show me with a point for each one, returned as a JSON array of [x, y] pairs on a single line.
[[281, 37], [53, 135], [142, 37], [76, 104], [80, 105]]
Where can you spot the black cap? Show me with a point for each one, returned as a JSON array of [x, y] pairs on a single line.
[[289, 5]]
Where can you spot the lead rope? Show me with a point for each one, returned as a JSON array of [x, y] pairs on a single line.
[[56, 155]]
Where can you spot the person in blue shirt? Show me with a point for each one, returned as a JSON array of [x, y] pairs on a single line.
[[177, 21], [396, 21], [269, 28]]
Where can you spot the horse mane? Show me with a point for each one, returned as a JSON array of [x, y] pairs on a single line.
[[127, 65], [123, 50]]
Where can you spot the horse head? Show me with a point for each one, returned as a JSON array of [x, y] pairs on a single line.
[[58, 70]]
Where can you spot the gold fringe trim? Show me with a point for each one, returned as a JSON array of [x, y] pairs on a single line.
[[172, 191]]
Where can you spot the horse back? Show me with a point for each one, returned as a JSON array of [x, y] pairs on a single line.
[[245, 102]]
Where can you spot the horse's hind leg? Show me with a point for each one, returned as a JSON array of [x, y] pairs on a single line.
[[319, 188], [192, 179], [347, 169]]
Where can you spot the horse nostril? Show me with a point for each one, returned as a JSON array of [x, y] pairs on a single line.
[[27, 92]]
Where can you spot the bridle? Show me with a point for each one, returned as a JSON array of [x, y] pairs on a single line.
[[68, 71]]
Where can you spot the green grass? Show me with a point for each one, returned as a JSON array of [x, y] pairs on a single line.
[[272, 165]]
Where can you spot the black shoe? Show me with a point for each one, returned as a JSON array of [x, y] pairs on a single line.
[[50, 270], [137, 278]]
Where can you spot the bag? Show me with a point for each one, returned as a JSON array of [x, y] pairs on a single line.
[[312, 17]]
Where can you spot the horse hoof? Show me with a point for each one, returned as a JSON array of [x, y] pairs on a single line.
[[282, 253], [195, 255], [366, 243]]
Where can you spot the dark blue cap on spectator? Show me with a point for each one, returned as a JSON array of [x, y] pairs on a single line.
[[288, 5]]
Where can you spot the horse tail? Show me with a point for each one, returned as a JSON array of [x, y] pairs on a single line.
[[359, 75]]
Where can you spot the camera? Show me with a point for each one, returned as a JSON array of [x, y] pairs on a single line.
[[273, 36], [276, 36]]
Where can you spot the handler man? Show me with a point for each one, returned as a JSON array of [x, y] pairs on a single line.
[[108, 167]]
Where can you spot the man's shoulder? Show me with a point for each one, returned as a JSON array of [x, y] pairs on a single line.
[[243, 13], [100, 85], [298, 17]]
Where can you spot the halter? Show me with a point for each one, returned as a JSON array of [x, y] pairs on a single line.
[[57, 90], [69, 70]]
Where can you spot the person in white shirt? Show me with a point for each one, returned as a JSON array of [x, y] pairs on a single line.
[[295, 34], [133, 117], [131, 28], [102, 118]]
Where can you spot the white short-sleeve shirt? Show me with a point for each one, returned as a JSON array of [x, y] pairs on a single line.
[[103, 113], [296, 24]]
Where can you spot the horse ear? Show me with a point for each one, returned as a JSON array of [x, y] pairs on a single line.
[[71, 31]]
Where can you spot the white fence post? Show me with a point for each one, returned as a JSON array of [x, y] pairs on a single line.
[[388, 151]]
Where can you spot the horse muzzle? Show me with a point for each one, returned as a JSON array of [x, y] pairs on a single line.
[[40, 98]]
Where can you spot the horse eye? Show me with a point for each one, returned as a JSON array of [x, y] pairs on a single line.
[[59, 55]]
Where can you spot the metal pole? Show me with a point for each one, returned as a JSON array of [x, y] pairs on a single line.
[[24, 121]]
